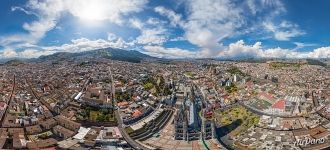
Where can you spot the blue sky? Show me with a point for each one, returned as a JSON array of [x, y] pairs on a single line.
[[171, 28]]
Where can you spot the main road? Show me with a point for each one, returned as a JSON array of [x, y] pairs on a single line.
[[40, 99], [9, 100], [128, 139]]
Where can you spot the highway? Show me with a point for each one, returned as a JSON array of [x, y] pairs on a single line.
[[129, 140]]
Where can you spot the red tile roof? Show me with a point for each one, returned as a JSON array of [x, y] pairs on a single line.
[[266, 95], [124, 103], [279, 104], [137, 113]]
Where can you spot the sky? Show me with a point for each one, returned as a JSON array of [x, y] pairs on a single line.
[[167, 28]]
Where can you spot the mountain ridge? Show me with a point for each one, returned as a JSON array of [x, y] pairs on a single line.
[[107, 53], [136, 57]]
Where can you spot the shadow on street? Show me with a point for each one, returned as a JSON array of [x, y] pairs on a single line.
[[222, 133]]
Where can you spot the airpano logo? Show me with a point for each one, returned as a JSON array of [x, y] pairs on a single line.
[[309, 141]]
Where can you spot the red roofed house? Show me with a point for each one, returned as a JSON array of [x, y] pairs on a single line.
[[136, 113], [266, 96], [279, 106], [123, 104]]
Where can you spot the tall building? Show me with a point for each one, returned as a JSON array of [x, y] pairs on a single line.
[[315, 101], [180, 125], [235, 78], [188, 124]]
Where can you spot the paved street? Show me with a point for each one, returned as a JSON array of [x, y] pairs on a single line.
[[129, 140]]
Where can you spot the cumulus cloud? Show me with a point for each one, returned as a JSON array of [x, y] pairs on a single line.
[[48, 13], [209, 22], [9, 53], [160, 51], [234, 50], [153, 32], [76, 45], [322, 52], [205, 24], [84, 44], [33, 53], [241, 50], [27, 53]]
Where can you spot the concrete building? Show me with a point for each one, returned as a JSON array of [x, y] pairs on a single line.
[[187, 124]]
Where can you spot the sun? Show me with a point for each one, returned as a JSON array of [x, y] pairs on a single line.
[[93, 11]]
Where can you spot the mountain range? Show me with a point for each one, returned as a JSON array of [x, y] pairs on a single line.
[[106, 53], [129, 56]]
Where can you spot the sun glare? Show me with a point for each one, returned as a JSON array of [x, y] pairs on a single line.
[[92, 12]]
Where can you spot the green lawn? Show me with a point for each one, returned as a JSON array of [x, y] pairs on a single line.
[[228, 116], [280, 65], [148, 85], [129, 130], [232, 88], [97, 115], [189, 74], [235, 70], [93, 115]]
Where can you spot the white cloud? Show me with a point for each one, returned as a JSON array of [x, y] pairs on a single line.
[[48, 12], [12, 40], [209, 22], [173, 17], [16, 8], [155, 21], [154, 36], [27, 53], [84, 44], [136, 23], [300, 45], [242, 50], [284, 31], [76, 45], [8, 53], [178, 38], [160, 51], [152, 33], [37, 29], [206, 23], [238, 49], [322, 52], [33, 53], [258, 6]]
